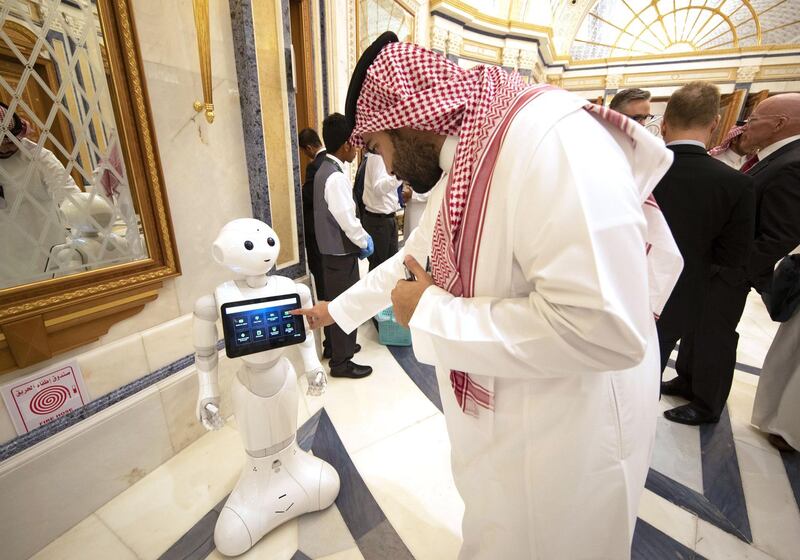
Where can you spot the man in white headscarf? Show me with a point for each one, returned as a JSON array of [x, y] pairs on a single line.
[[549, 260]]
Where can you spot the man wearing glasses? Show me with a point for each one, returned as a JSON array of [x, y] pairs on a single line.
[[634, 103]]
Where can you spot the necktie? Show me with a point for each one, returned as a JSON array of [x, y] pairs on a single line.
[[751, 161]]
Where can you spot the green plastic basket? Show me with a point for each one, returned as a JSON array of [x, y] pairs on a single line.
[[389, 332]]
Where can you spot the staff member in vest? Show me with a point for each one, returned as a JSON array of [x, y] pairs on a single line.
[[311, 145], [340, 237], [380, 204]]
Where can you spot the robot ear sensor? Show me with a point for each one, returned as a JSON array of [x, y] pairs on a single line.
[[218, 253]]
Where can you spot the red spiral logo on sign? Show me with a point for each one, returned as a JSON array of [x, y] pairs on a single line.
[[49, 400]]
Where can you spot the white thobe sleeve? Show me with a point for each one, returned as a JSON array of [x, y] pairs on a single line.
[[377, 178], [578, 241], [339, 197], [59, 183], [373, 292]]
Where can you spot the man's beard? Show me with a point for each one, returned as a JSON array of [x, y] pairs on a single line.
[[415, 161]]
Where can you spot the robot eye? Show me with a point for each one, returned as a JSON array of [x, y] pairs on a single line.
[[270, 242], [248, 245]]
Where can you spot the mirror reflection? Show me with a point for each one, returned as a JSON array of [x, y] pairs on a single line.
[[65, 202]]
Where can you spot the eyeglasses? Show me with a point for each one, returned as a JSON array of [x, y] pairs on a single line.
[[640, 118], [761, 117]]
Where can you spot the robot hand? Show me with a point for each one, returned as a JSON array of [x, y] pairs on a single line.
[[368, 250], [207, 413], [317, 382]]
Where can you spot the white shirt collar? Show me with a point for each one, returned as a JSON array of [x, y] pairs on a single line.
[[687, 142], [335, 159], [764, 153], [448, 153], [319, 152]]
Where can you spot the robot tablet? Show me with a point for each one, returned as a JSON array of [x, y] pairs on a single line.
[[256, 325]]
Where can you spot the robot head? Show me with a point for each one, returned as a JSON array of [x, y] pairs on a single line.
[[83, 212], [247, 246]]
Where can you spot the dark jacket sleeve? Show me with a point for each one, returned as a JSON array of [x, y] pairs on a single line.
[[779, 223], [732, 247]]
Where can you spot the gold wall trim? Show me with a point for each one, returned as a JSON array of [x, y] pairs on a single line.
[[685, 56], [509, 25], [679, 77], [98, 308], [482, 52], [584, 83], [202, 27], [783, 71]]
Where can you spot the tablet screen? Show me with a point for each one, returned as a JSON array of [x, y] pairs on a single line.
[[256, 325]]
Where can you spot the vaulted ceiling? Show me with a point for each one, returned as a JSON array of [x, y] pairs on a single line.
[[599, 29], [624, 28]]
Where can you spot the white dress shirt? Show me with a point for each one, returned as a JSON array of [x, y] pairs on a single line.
[[339, 197], [380, 188], [732, 159]]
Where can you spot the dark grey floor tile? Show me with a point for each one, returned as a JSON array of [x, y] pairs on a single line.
[[359, 509], [423, 375], [688, 499], [383, 543], [300, 556], [722, 481], [198, 542], [651, 544], [791, 462]]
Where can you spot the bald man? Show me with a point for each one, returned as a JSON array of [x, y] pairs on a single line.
[[773, 131]]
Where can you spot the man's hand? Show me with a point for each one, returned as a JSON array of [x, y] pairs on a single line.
[[316, 316], [407, 293]]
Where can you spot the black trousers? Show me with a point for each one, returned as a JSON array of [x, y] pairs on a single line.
[[383, 230], [670, 331], [707, 359], [315, 266], [340, 272]]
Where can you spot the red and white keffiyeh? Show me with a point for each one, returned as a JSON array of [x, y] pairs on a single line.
[[726, 143], [23, 128], [410, 86]]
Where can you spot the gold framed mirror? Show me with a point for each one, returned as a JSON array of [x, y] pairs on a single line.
[[85, 233]]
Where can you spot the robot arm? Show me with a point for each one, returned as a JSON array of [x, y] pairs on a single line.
[[315, 373], [205, 344]]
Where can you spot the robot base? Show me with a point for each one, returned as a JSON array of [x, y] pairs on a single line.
[[272, 490]]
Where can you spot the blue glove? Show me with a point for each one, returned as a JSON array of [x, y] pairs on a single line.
[[368, 250]]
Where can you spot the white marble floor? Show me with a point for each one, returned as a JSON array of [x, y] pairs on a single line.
[[396, 439]]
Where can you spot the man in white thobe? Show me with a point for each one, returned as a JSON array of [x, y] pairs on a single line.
[[33, 182], [554, 352]]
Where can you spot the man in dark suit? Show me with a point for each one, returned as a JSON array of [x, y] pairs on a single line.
[[311, 145], [773, 130], [710, 209]]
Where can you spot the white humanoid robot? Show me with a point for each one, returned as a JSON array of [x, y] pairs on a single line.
[[279, 481], [90, 242]]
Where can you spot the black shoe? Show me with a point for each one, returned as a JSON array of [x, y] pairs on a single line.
[[351, 370], [779, 443], [676, 388], [327, 354], [688, 414]]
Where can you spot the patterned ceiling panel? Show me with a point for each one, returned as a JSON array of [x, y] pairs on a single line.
[[625, 28]]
